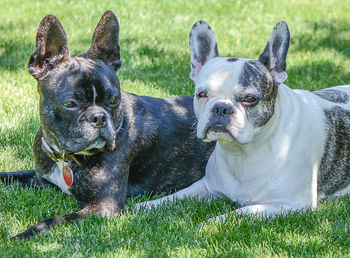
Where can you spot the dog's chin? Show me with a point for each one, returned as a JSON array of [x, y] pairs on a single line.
[[97, 146], [221, 133], [217, 132]]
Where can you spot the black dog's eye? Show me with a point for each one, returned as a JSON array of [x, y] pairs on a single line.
[[70, 104], [114, 101], [249, 100], [202, 94]]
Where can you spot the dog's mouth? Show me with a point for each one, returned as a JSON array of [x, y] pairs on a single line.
[[217, 131], [97, 146]]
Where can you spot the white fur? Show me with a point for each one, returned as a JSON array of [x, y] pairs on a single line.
[[55, 176], [217, 78], [269, 169], [277, 171]]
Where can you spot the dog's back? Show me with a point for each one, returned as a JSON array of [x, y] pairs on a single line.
[[334, 173], [170, 156]]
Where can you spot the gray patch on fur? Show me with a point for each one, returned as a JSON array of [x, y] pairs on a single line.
[[203, 49], [276, 46], [278, 51], [254, 74], [332, 95], [204, 43], [334, 171]]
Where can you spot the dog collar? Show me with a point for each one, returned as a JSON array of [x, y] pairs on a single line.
[[48, 150], [63, 165], [55, 156]]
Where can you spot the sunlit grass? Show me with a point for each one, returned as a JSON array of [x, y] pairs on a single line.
[[155, 56]]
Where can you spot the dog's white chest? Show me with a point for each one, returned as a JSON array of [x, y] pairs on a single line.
[[55, 176]]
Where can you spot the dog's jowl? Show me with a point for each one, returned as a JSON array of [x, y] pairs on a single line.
[[96, 141], [278, 150]]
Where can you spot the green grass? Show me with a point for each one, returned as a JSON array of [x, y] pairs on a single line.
[[154, 44]]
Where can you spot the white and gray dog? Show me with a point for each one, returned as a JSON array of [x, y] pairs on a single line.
[[278, 150]]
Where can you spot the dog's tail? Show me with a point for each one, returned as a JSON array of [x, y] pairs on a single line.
[[26, 178], [53, 222]]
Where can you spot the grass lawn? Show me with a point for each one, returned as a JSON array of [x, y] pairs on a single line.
[[155, 55]]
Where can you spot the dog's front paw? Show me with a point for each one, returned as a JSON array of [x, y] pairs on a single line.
[[217, 219], [262, 211], [144, 206]]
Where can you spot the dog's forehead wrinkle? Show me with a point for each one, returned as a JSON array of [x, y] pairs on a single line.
[[219, 75], [232, 59], [98, 76], [88, 78]]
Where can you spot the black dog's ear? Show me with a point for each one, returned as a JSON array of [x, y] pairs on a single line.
[[275, 53], [105, 45], [203, 46], [51, 47]]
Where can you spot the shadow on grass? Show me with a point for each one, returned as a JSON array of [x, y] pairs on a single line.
[[316, 75], [167, 70], [20, 139], [14, 51], [175, 230], [301, 233], [15, 55], [324, 34]]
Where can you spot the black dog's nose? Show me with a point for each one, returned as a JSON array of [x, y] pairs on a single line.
[[98, 119], [222, 109]]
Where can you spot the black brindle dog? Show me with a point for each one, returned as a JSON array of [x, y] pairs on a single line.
[[97, 142]]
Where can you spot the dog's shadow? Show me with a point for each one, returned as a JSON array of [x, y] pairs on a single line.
[[176, 226]]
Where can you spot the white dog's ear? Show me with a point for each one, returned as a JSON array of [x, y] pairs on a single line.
[[203, 46], [275, 52]]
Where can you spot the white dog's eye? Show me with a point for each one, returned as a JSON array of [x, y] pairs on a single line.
[[249, 100], [202, 94]]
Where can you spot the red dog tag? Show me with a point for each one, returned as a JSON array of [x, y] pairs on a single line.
[[67, 175]]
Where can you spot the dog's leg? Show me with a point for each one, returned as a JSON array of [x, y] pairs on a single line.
[[53, 222], [26, 178], [265, 210], [197, 189], [258, 210]]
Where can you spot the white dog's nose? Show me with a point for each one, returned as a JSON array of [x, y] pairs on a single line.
[[222, 109]]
